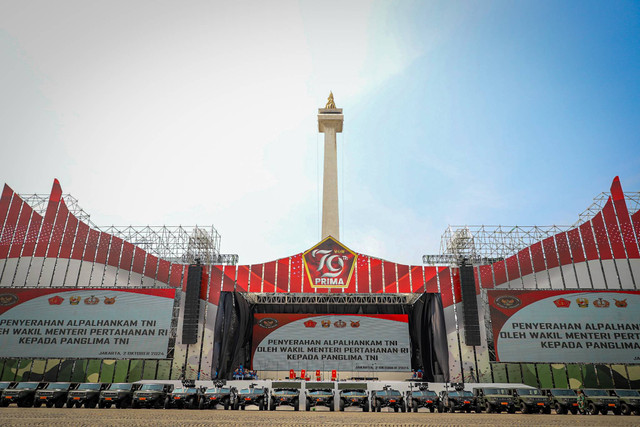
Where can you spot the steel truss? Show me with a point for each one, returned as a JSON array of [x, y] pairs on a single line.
[[177, 244], [484, 244], [361, 299], [632, 200]]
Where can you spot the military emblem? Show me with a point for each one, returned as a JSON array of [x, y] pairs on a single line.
[[621, 303], [74, 300], [508, 301], [562, 303], [268, 323], [340, 324], [109, 301], [601, 303], [92, 300], [326, 323], [57, 300], [310, 324], [8, 299], [355, 324], [582, 302]]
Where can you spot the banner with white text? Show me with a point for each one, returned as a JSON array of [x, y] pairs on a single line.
[[347, 342], [566, 326], [85, 323]]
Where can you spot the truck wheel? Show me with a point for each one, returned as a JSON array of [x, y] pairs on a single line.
[[225, 405], [341, 405], [395, 409], [91, 404], [593, 409], [511, 410], [524, 408], [332, 407], [604, 411], [415, 406], [489, 408], [296, 405], [468, 410], [135, 404], [574, 411], [560, 410], [452, 407], [124, 404], [432, 409], [59, 404], [235, 406], [378, 406], [365, 408], [626, 410], [307, 405], [167, 403]]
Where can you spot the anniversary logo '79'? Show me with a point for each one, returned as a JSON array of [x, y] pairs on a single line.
[[329, 264]]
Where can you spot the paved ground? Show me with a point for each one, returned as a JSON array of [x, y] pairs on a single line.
[[13, 416]]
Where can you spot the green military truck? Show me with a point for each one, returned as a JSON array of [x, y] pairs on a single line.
[[494, 400], [600, 401], [54, 394], [563, 400], [629, 401], [530, 400]]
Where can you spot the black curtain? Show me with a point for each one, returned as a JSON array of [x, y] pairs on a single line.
[[234, 327]]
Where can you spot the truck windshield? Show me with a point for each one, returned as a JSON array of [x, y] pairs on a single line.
[[30, 386], [185, 390], [627, 393], [567, 392], [427, 393], [58, 386], [596, 393], [495, 391], [120, 386], [218, 390], [89, 386], [529, 391], [152, 387]]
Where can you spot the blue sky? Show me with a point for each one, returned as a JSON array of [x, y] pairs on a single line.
[[493, 112]]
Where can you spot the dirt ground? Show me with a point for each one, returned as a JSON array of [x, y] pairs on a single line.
[[13, 416]]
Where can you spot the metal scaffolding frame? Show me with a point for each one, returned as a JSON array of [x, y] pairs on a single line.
[[484, 244], [176, 244], [362, 299]]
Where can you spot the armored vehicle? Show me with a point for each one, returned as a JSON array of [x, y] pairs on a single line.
[[320, 394], [22, 394], [457, 400], [151, 395], [87, 394], [494, 399], [252, 395], [184, 397], [600, 401], [5, 384], [423, 398], [285, 393], [353, 394], [118, 394], [387, 398], [54, 394], [562, 400], [218, 395], [531, 400], [629, 401]]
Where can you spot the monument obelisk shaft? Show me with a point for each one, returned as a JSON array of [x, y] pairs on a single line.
[[330, 121]]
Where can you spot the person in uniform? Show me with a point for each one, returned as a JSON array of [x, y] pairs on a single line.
[[582, 402]]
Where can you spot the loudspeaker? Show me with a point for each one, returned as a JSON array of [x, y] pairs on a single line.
[[469, 306], [192, 305]]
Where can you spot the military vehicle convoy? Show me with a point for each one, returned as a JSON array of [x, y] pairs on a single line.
[[489, 398]]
